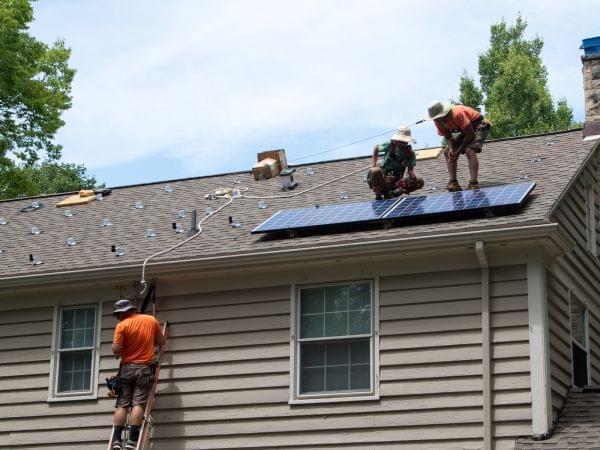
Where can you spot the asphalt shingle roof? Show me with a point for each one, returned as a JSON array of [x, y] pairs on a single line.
[[500, 163], [578, 426]]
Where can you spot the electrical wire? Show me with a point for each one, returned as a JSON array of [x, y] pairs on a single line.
[[355, 142], [295, 194], [265, 197], [179, 244]]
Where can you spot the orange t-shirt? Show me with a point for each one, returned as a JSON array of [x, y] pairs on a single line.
[[459, 118], [137, 334]]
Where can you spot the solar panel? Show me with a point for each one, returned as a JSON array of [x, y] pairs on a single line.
[[447, 203], [293, 219]]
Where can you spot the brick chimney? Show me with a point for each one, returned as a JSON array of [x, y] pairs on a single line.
[[591, 86]]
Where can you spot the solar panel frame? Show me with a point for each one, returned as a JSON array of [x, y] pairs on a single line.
[[496, 198]]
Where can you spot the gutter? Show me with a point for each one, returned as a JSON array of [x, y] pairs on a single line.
[[485, 343], [544, 230]]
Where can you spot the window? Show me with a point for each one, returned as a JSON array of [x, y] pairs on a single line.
[[590, 219], [334, 348], [579, 342], [75, 352]]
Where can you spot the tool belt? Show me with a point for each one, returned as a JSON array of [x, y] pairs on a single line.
[[114, 383]]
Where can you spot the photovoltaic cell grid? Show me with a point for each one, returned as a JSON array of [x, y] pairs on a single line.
[[396, 209], [447, 202], [325, 215]]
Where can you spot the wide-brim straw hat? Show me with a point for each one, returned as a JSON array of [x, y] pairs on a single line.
[[437, 110], [403, 135], [122, 306]]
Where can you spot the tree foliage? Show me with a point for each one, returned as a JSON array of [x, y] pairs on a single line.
[[35, 89], [40, 179], [513, 87]]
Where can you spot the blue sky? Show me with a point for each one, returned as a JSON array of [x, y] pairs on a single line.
[[175, 89]]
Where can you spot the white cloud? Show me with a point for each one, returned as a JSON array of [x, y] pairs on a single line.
[[193, 80]]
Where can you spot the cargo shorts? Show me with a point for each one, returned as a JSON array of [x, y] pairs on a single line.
[[136, 383], [481, 132]]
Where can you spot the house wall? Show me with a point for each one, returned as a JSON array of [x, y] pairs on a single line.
[[225, 380], [577, 273]]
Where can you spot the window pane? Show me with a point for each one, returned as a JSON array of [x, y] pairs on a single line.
[[360, 322], [360, 352], [336, 298], [312, 326], [337, 354], [336, 378], [312, 355], [360, 296], [312, 380], [74, 371], [336, 324], [312, 301], [77, 328], [360, 377]]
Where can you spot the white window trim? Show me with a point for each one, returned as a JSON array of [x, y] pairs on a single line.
[[92, 394], [575, 296], [336, 397]]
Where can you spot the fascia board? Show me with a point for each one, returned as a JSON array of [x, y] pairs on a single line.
[[546, 232]]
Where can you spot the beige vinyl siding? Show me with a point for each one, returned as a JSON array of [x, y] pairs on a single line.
[[431, 347], [579, 269], [560, 341], [225, 380]]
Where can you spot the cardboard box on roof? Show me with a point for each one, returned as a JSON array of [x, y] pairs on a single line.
[[277, 155], [266, 168]]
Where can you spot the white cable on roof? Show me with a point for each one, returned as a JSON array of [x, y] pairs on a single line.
[[143, 281]]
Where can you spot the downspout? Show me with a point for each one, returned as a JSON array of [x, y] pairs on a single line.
[[485, 345]]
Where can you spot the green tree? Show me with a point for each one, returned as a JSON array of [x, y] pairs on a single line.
[[513, 85], [35, 89], [40, 179]]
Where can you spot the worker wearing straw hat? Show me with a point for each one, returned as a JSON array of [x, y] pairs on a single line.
[[385, 178], [463, 130]]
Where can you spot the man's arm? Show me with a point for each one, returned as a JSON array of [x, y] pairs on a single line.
[[159, 337], [469, 133], [375, 154], [117, 348]]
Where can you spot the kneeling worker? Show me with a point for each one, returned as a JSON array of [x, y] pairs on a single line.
[[463, 130], [134, 341], [386, 178]]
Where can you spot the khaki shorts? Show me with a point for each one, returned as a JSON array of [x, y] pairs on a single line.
[[481, 132], [136, 383]]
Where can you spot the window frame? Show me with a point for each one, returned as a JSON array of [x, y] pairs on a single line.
[[342, 396], [574, 297], [55, 352]]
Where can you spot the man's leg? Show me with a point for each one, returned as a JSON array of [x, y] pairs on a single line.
[[377, 183], [451, 164], [473, 166]]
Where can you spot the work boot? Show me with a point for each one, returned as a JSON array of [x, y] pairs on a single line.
[[473, 185], [117, 445], [130, 445], [379, 197], [453, 186]]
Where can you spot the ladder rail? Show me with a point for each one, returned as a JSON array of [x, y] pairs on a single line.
[[144, 438]]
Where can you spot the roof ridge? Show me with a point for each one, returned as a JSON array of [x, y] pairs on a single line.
[[239, 172]]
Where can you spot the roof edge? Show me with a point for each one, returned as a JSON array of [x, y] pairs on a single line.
[[526, 233]]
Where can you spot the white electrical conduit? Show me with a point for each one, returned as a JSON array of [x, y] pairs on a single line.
[[143, 280], [179, 244]]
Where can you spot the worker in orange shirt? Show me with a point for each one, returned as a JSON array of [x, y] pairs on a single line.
[[134, 340], [463, 130]]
